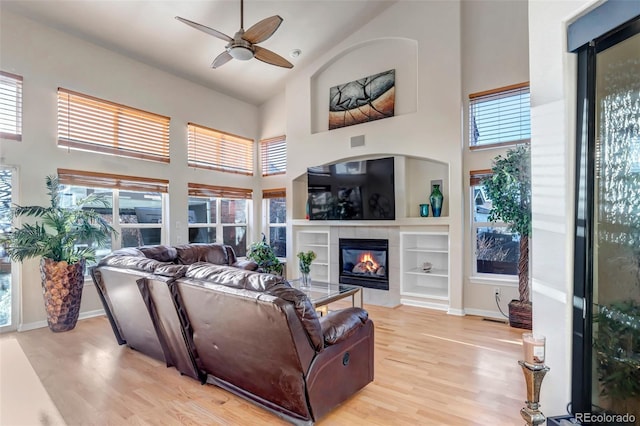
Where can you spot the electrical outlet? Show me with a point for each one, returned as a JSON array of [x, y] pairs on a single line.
[[496, 291]]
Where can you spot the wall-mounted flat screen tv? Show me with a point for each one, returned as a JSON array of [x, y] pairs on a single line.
[[353, 190]]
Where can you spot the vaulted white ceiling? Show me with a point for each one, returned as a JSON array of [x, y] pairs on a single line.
[[147, 31]]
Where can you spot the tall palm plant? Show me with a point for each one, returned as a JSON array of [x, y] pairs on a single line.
[[64, 239]]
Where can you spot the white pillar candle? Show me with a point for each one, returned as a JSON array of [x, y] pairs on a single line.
[[534, 348]]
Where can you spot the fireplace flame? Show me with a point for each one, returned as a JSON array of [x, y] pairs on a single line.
[[367, 261]]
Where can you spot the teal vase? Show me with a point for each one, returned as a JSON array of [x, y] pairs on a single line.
[[436, 201]]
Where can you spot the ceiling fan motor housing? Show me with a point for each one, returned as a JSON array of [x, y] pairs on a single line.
[[239, 48]]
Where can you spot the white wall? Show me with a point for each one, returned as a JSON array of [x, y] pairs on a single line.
[[495, 53], [429, 129], [553, 81], [48, 59]]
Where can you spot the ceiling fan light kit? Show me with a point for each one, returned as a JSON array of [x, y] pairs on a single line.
[[243, 45]]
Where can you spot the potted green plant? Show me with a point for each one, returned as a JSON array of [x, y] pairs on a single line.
[[64, 241], [509, 189], [264, 255], [616, 347], [304, 264]]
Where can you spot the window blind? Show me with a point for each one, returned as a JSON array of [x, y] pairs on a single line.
[[10, 106], [500, 116], [477, 176], [274, 193], [215, 191], [273, 156], [107, 180], [216, 150], [93, 124]]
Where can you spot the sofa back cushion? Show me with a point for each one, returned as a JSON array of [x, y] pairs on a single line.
[[138, 263], [273, 285], [160, 253], [211, 253], [232, 277]]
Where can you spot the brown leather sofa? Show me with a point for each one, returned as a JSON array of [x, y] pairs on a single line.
[[245, 331]]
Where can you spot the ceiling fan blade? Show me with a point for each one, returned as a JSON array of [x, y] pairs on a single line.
[[265, 55], [203, 28], [262, 30], [221, 59]]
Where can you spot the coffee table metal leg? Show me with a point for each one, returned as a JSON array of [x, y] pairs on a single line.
[[356, 299]]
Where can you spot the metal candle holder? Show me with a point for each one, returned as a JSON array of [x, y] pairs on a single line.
[[533, 375]]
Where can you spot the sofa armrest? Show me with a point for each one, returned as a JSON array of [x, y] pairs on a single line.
[[246, 264], [339, 325]]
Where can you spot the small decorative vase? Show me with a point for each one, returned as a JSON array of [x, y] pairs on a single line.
[[436, 200], [305, 279], [424, 210], [305, 275]]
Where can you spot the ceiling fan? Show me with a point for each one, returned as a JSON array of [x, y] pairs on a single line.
[[243, 44]]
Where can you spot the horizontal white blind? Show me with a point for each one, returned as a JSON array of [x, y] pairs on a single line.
[[500, 116], [10, 106], [113, 181], [93, 124], [273, 156], [216, 150], [216, 191]]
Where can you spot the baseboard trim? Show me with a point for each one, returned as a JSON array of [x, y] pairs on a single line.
[[422, 304], [41, 324], [487, 314], [457, 312]]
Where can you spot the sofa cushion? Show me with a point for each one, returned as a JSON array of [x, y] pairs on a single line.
[[160, 253], [139, 263], [339, 325], [211, 253], [304, 310], [171, 270], [232, 277], [127, 251]]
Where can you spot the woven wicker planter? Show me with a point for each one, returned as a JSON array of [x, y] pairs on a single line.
[[62, 291], [520, 314]]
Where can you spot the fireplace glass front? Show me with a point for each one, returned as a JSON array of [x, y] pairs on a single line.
[[364, 262]]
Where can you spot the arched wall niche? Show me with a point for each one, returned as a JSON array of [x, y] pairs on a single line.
[[413, 177], [362, 60]]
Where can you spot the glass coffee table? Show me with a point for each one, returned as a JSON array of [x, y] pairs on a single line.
[[321, 294]]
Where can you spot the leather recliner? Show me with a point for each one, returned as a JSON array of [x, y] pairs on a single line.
[[248, 332]]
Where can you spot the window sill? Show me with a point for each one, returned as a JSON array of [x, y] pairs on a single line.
[[489, 280], [499, 145]]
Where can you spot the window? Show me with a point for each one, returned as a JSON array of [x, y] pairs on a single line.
[[273, 156], [500, 117], [138, 203], [92, 124], [275, 207], [10, 106], [496, 249], [8, 290], [219, 214], [216, 150]]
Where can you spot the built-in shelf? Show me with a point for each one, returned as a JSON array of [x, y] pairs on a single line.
[[416, 248], [318, 241]]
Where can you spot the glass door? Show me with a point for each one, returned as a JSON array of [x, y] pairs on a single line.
[[8, 307], [616, 229]]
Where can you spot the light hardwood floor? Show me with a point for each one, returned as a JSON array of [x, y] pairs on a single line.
[[430, 369]]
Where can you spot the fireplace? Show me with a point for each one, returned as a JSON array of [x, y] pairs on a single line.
[[364, 262]]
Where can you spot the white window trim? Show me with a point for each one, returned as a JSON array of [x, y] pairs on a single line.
[[266, 222], [219, 226], [479, 277]]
